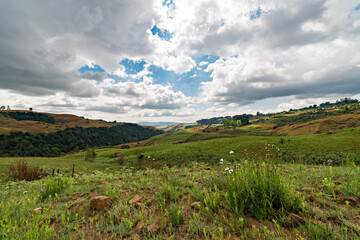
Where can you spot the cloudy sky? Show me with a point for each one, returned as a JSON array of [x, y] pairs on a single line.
[[177, 60]]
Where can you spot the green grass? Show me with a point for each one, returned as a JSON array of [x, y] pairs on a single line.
[[280, 188], [309, 149]]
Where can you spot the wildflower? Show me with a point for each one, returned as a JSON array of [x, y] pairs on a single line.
[[230, 171], [221, 160], [25, 192], [7, 187], [148, 156], [153, 159], [227, 169], [320, 169], [329, 162], [231, 152]]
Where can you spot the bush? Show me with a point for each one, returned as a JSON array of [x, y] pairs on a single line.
[[90, 155], [257, 189], [22, 171]]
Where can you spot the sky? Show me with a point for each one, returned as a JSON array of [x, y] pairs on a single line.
[[177, 60]]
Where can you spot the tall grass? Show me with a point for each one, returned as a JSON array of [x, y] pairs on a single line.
[[257, 189], [52, 187]]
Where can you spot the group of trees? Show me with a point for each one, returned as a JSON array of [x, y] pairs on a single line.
[[237, 121], [3, 108], [71, 139]]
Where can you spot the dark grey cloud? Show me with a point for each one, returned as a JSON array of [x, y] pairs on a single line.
[[97, 76], [43, 43], [243, 93]]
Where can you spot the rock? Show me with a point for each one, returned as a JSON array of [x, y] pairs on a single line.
[[135, 199], [100, 202], [154, 228], [195, 205], [297, 218], [38, 210], [354, 201], [140, 226], [138, 204]]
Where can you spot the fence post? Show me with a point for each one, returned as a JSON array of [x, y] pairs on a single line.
[[73, 170]]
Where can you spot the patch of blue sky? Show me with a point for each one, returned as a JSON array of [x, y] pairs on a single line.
[[255, 14], [357, 8], [162, 33], [86, 68], [133, 67], [167, 2]]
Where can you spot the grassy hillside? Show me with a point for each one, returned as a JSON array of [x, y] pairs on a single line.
[[62, 121]]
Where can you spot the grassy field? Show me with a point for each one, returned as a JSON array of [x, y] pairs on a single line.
[[279, 187]]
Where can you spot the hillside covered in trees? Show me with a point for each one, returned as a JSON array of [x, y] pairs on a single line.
[[71, 139]]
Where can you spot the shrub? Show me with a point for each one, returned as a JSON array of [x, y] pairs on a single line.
[[176, 215], [22, 171], [257, 189], [90, 155]]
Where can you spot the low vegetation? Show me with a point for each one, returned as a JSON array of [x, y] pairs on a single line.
[[231, 183]]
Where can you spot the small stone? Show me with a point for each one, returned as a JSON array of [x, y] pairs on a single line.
[[140, 226], [135, 199], [154, 228], [298, 218], [138, 204], [38, 210], [195, 205], [100, 202]]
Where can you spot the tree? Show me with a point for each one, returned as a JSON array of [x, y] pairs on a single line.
[[8, 107], [30, 109], [2, 108]]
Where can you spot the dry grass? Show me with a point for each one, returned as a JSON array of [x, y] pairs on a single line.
[[22, 171], [324, 125], [62, 121]]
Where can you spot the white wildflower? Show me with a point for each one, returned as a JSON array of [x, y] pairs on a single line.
[[25, 192], [227, 169], [221, 160], [148, 156], [221, 163], [7, 187], [153, 159], [230, 171], [231, 152]]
